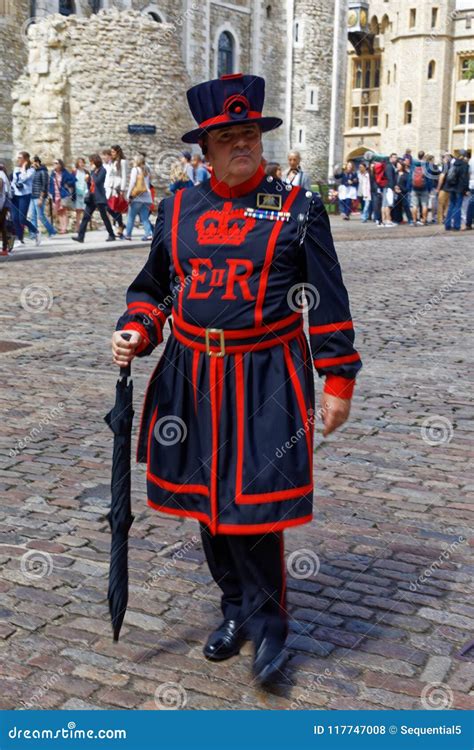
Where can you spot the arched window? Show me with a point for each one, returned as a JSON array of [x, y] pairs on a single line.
[[431, 69], [95, 5], [407, 112], [358, 75], [225, 54], [394, 72], [33, 9], [67, 7]]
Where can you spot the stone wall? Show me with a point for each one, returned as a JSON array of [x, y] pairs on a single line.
[[12, 61], [89, 78]]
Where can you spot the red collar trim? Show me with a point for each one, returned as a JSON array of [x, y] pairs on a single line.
[[223, 189]]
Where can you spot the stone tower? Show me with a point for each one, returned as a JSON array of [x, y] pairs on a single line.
[[68, 104], [316, 103]]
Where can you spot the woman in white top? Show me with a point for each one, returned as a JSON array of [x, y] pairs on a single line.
[[4, 194], [22, 187], [117, 184], [139, 195]]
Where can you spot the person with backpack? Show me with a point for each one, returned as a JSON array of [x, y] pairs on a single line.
[[140, 200], [457, 185], [420, 189]]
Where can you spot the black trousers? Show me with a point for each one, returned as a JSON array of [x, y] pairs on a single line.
[[89, 210], [250, 571]]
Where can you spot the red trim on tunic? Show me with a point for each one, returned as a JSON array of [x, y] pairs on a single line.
[[261, 528], [174, 244], [225, 191], [215, 444], [262, 287], [237, 333], [179, 512], [275, 496], [344, 325], [220, 379], [236, 348], [295, 381], [132, 326], [338, 386], [198, 489], [240, 406], [194, 376], [337, 360], [223, 528]]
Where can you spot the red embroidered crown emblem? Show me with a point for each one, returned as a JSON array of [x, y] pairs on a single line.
[[226, 227]]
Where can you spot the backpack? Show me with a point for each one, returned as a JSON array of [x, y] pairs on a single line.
[[140, 185], [452, 176], [379, 174], [419, 179]]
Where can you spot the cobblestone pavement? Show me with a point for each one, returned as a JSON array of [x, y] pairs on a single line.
[[379, 585]]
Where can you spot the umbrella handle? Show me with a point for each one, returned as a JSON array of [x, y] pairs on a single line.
[[125, 371]]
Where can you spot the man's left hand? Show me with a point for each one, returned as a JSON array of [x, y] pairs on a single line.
[[334, 412]]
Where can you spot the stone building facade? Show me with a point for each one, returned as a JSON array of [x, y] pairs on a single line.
[[408, 81], [181, 42]]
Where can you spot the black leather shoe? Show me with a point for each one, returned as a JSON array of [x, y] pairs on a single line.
[[110, 238], [225, 641], [270, 658], [77, 239]]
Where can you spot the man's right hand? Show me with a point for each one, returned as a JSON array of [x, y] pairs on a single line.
[[124, 351]]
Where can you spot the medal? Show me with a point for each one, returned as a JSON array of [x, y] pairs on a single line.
[[262, 213]]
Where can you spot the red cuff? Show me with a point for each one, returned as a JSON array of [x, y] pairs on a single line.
[[338, 386], [142, 331]]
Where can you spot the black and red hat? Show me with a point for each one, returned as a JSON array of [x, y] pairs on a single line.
[[232, 99]]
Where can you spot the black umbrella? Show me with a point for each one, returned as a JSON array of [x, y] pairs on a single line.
[[120, 517]]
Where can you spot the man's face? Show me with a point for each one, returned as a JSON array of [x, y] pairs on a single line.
[[106, 158], [235, 152], [293, 161], [195, 162], [393, 158]]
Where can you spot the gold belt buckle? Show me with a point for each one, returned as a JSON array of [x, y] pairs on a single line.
[[211, 353]]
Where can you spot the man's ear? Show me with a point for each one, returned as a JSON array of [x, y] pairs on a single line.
[[203, 146]]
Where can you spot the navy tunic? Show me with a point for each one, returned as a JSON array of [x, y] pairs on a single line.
[[228, 419]]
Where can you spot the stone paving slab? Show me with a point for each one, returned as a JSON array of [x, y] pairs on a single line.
[[381, 600]]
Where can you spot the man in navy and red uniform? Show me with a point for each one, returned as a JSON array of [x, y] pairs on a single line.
[[227, 423]]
